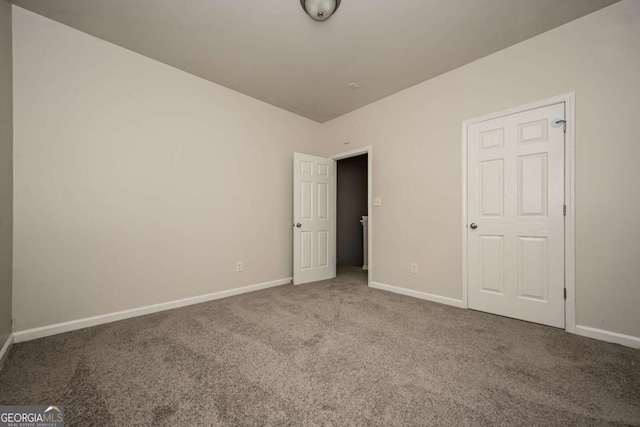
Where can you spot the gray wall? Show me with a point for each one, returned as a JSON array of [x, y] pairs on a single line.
[[136, 183], [416, 137], [6, 170], [352, 205]]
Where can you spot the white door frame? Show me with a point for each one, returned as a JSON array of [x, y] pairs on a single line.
[[569, 184], [345, 155]]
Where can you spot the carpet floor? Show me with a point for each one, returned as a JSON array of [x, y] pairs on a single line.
[[335, 353]]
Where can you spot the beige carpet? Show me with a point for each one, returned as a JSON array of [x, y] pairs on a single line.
[[336, 354]]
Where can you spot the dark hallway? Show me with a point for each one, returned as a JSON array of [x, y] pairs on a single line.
[[351, 207]]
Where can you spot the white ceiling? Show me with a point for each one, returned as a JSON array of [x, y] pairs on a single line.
[[272, 51]]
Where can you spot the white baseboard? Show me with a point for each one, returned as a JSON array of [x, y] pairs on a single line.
[[417, 294], [45, 331], [614, 337], [5, 348]]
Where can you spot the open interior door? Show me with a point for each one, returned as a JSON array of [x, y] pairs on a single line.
[[314, 218]]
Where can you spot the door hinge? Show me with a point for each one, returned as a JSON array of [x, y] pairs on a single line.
[[564, 210], [565, 293]]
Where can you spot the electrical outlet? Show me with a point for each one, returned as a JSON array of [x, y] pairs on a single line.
[[377, 201], [239, 267], [414, 268]]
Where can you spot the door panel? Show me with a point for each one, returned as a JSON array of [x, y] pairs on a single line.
[[313, 210], [306, 199], [323, 200], [532, 185], [492, 248], [306, 250], [323, 248], [492, 187], [516, 196], [532, 268]]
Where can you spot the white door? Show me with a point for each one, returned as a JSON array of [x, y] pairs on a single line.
[[314, 219], [515, 218]]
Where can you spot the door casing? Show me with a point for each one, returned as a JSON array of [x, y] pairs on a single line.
[[569, 184]]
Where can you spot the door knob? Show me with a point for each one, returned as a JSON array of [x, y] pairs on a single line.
[[298, 225], [473, 225]]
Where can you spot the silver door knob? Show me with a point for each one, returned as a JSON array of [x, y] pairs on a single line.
[[473, 225], [298, 225]]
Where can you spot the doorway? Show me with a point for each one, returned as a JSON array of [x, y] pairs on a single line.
[[352, 218], [368, 153], [314, 216], [518, 213]]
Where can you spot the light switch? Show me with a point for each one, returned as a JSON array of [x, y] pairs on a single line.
[[377, 201]]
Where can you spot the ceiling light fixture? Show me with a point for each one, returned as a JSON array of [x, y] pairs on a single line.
[[320, 10]]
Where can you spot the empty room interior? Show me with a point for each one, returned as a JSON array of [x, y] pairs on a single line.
[[319, 212]]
